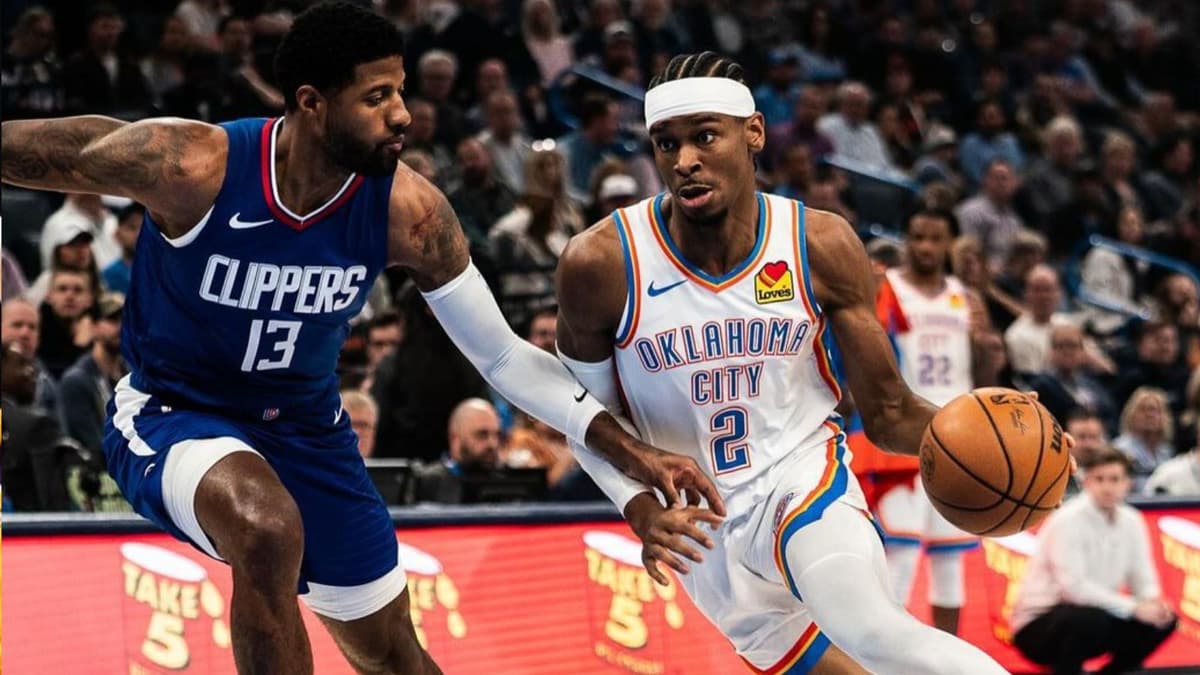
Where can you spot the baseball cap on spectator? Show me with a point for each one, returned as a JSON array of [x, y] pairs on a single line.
[[781, 55], [938, 138], [111, 305], [618, 185], [616, 31]]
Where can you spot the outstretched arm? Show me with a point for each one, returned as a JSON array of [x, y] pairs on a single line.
[[425, 238], [173, 166], [893, 416]]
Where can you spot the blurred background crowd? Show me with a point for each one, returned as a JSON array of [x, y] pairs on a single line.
[[1061, 133]]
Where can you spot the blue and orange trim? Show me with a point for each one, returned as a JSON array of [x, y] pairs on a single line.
[[633, 282], [716, 284], [269, 191], [830, 487], [820, 348], [801, 658], [951, 545]]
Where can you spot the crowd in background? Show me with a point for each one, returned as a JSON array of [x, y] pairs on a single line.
[[1038, 124]]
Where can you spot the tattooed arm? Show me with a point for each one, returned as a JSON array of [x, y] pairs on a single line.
[[174, 167]]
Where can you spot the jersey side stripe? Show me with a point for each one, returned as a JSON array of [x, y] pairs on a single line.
[[633, 282]]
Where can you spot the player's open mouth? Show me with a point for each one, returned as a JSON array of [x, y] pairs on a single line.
[[395, 145], [694, 196]]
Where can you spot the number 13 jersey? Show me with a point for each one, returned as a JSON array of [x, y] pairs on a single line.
[[247, 312], [730, 370]]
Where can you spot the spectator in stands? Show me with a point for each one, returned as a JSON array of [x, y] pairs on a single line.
[[900, 142], [385, 334], [1154, 362], [1187, 433], [799, 129], [1028, 250], [821, 47], [1166, 186], [437, 72], [1157, 121], [66, 324], [1118, 161], [548, 47], [1048, 186], [202, 18], [505, 141], [480, 200], [990, 141], [589, 41], [1177, 301], [795, 173], [68, 246], [1147, 430], [532, 444], [776, 96], [1028, 338], [98, 79], [418, 385], [163, 68], [588, 146], [422, 134], [364, 415], [32, 75], [20, 324], [247, 92], [423, 163], [989, 216], [83, 212], [1073, 604], [1065, 385], [938, 162], [34, 473], [1176, 477], [88, 385], [526, 242], [129, 225], [658, 33], [1091, 439], [542, 329], [853, 136], [616, 191], [492, 77], [1118, 280], [473, 442]]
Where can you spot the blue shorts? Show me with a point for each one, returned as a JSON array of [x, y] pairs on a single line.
[[349, 538]]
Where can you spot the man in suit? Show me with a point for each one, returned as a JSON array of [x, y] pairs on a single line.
[[33, 445], [1066, 385]]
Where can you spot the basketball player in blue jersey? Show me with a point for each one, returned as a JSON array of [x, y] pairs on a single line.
[[701, 314], [261, 239]]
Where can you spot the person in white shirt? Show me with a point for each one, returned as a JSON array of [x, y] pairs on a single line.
[[989, 216], [1071, 605], [1028, 338], [1176, 477], [853, 135]]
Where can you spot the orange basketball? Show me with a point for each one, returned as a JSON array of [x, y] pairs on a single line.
[[994, 462]]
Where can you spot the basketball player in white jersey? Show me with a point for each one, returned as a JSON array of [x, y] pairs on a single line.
[[701, 315], [927, 313]]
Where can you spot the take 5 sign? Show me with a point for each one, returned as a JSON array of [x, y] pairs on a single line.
[[505, 599]]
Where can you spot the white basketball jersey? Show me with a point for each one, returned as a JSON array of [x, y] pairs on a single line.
[[731, 370], [934, 339]]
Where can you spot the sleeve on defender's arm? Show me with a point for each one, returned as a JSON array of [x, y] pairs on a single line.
[[530, 378], [598, 379]]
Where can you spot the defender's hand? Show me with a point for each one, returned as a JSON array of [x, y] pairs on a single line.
[[665, 532], [671, 474]]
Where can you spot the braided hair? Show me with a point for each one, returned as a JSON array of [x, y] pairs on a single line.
[[704, 64]]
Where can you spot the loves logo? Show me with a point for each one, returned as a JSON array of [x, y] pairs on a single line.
[[773, 283]]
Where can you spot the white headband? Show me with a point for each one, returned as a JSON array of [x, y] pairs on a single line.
[[692, 95]]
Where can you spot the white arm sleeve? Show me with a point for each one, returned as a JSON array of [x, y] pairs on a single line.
[[601, 382], [530, 378]]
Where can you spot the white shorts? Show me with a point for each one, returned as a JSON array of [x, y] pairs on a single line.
[[743, 586], [908, 518]]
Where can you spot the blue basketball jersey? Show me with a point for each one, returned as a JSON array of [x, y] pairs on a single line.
[[246, 313]]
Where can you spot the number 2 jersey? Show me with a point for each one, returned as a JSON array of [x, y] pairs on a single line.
[[730, 370], [247, 312]]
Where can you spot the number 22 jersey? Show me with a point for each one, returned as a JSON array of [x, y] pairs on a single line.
[[246, 313]]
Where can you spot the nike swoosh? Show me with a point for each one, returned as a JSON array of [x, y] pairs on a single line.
[[655, 292], [244, 225], [338, 415], [581, 396]]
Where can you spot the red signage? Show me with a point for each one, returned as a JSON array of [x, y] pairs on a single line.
[[505, 599]]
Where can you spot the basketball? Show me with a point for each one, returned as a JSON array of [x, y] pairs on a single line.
[[993, 462]]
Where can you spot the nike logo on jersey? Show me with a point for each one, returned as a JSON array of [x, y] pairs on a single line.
[[580, 396], [238, 224], [655, 292]]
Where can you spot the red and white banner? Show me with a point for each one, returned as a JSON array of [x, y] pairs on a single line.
[[504, 599]]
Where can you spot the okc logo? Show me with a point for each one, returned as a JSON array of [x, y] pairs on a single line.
[[773, 283]]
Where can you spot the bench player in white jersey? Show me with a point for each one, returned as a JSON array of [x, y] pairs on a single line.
[[927, 313], [701, 314]]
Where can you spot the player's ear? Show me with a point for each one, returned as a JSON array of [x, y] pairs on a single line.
[[308, 99], [756, 132]]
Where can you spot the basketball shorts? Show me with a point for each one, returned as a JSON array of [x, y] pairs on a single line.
[[743, 586], [158, 454], [908, 518]]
